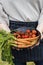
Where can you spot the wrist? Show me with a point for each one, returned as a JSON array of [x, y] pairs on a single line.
[[4, 27], [39, 28]]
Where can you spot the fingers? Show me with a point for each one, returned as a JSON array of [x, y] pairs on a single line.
[[32, 47], [37, 44], [16, 48]]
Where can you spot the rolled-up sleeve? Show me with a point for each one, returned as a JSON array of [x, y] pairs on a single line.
[[3, 20], [40, 21]]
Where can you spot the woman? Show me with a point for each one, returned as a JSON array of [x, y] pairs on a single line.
[[23, 11]]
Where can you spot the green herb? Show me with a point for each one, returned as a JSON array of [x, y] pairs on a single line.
[[5, 47]]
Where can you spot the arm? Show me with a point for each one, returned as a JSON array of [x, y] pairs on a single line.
[[3, 20], [40, 23]]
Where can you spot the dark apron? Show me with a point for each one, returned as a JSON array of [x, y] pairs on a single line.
[[27, 54]]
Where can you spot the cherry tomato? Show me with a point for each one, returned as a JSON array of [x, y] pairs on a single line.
[[22, 33], [33, 35], [23, 36], [28, 31], [34, 31], [26, 36], [18, 32], [18, 36], [30, 36]]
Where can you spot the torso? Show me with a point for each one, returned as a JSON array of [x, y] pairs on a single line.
[[22, 10]]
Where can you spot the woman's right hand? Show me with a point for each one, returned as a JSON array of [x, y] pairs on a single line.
[[4, 26]]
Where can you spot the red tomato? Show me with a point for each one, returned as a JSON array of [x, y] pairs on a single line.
[[22, 33], [33, 35], [34, 31], [18, 36], [30, 36], [18, 32], [26, 36], [28, 31], [23, 36]]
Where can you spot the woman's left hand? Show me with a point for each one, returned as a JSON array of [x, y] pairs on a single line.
[[41, 31]]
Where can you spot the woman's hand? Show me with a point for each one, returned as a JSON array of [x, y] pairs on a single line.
[[4, 27], [40, 29]]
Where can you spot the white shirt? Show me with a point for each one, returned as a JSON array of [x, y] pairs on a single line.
[[22, 10]]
